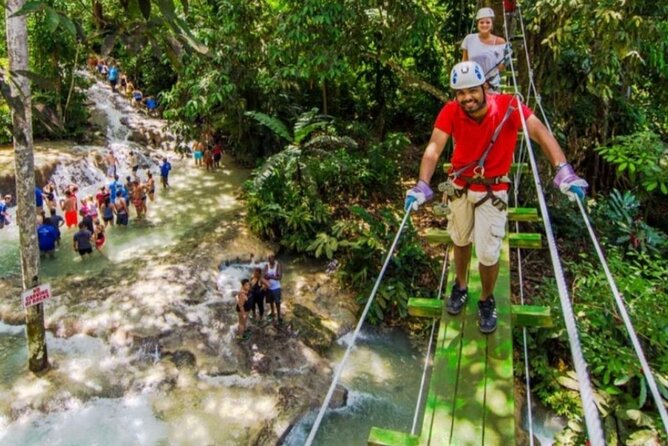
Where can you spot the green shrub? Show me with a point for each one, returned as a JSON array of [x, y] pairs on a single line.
[[620, 388], [641, 158]]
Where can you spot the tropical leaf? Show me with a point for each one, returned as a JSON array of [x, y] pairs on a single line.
[[29, 7], [275, 124], [167, 9], [303, 132], [52, 19]]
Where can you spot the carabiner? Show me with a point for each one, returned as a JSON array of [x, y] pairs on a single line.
[[479, 172]]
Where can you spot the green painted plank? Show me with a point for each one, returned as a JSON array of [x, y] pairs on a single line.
[[523, 214], [499, 421], [516, 240], [524, 167], [470, 399], [437, 419], [385, 437], [531, 316], [525, 240], [422, 307], [433, 235]]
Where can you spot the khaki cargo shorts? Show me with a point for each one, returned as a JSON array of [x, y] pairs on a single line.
[[485, 225]]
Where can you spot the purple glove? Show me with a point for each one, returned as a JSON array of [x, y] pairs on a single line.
[[569, 183], [417, 196]]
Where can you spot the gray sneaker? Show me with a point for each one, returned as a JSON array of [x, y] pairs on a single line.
[[487, 315], [457, 300]]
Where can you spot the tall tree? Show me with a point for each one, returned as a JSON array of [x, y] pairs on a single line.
[[20, 102]]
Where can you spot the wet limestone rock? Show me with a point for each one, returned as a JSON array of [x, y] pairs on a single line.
[[339, 397], [310, 329], [183, 358]]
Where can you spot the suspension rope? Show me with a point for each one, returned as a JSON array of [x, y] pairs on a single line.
[[358, 328], [592, 419], [427, 358], [590, 411], [520, 272], [647, 371]]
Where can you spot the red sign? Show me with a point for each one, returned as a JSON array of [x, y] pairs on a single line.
[[36, 295]]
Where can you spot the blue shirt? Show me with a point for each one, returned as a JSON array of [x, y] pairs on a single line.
[[151, 104], [46, 237], [165, 168], [39, 200], [113, 74], [3, 209], [112, 190]]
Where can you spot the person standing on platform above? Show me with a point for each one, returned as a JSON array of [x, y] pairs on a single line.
[[485, 48], [484, 128]]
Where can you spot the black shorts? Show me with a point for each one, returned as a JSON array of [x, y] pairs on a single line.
[[135, 168], [113, 83], [85, 251], [122, 219]]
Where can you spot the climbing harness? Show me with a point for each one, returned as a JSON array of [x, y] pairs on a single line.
[[452, 191], [358, 328]]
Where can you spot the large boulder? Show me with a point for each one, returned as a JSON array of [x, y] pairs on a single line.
[[310, 329]]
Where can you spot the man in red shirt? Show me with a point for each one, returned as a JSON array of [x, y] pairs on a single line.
[[484, 129]]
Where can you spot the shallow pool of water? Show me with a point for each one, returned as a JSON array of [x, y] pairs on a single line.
[[383, 376]]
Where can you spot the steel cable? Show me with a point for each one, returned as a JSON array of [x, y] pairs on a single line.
[[592, 419], [358, 328], [647, 371]]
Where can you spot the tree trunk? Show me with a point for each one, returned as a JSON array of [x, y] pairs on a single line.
[[20, 103], [325, 110]]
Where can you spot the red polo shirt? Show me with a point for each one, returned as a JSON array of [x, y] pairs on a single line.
[[472, 138]]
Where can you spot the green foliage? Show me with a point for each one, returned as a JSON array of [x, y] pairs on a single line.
[[369, 239], [5, 123], [620, 389], [642, 158], [625, 223]]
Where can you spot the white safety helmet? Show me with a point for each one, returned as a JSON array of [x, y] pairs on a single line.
[[466, 75], [484, 13]]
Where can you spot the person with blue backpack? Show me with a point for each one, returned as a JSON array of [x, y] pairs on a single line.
[[112, 76]]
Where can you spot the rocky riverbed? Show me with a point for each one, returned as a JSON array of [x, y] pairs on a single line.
[[157, 325]]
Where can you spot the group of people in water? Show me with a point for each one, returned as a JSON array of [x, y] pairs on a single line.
[[90, 215], [120, 83], [263, 286]]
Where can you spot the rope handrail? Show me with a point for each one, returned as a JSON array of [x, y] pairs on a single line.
[[592, 419], [619, 301], [647, 371], [358, 328], [520, 272]]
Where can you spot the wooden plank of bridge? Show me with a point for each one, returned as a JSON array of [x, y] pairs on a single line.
[[499, 418], [437, 419], [469, 407]]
